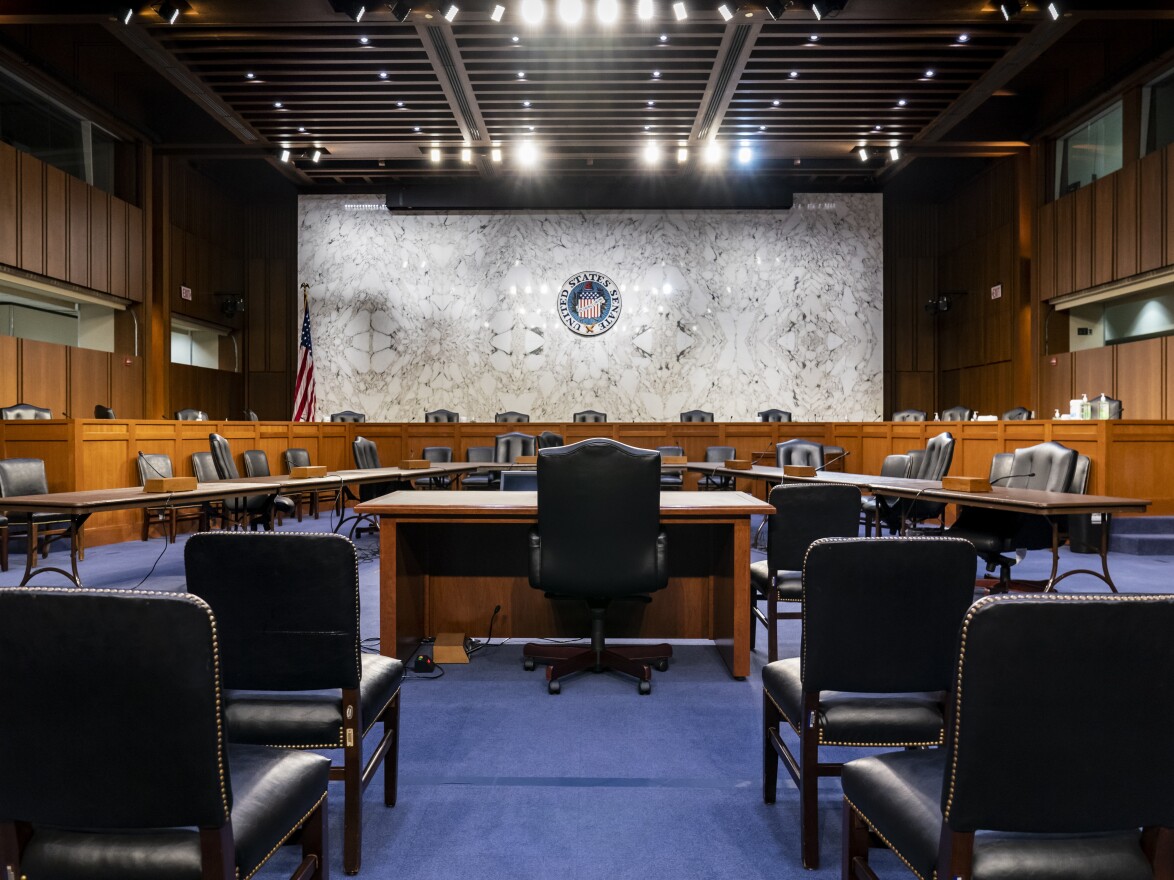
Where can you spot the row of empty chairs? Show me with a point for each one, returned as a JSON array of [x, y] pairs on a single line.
[[965, 413]]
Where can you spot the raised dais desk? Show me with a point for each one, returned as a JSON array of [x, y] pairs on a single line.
[[448, 558]]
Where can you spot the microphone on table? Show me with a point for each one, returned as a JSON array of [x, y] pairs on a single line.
[[842, 455], [1010, 476]]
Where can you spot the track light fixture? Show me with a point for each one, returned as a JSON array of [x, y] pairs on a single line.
[[170, 10], [126, 13], [352, 9], [1010, 9], [826, 8], [863, 152], [1055, 10], [400, 10], [775, 8]]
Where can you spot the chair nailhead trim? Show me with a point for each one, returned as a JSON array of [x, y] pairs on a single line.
[[888, 843], [941, 740], [284, 838]]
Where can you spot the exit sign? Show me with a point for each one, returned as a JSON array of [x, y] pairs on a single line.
[[185, 293], [997, 292]]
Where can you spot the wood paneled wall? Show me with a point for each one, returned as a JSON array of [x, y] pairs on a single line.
[[69, 381], [1139, 374]]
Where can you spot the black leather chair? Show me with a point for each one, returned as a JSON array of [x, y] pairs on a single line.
[[801, 452], [909, 415], [774, 415], [519, 481], [367, 458], [957, 414], [880, 631], [478, 481], [348, 416], [152, 465], [3, 543], [896, 466], [26, 476], [191, 415], [511, 416], [442, 415], [717, 455], [204, 468], [1115, 408], [24, 411], [548, 439], [598, 480], [156, 791], [696, 415], [436, 455], [1016, 414], [995, 533], [297, 456], [247, 510], [989, 804], [251, 416], [256, 463], [804, 513], [589, 415], [671, 480], [103, 412], [931, 463], [287, 606], [507, 448]]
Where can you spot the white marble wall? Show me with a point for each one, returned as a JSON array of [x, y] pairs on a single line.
[[731, 311]]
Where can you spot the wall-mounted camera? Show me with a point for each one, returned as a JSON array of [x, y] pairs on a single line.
[[943, 302], [231, 304]]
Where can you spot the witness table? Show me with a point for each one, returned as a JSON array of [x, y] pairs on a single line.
[[449, 559]]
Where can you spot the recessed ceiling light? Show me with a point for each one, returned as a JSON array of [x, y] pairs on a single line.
[[383, 74], [745, 154], [533, 11], [651, 103], [902, 102], [648, 128], [682, 155], [528, 153], [317, 154], [525, 103], [679, 11], [498, 12], [664, 38], [963, 38], [877, 128], [521, 74], [775, 102], [644, 9], [814, 38], [656, 74], [929, 74], [301, 129], [285, 155], [416, 128], [794, 74], [607, 11], [399, 104], [495, 154], [277, 104], [862, 152], [570, 11], [652, 153], [713, 153], [894, 153], [364, 41], [762, 128], [466, 155], [250, 75], [514, 38]]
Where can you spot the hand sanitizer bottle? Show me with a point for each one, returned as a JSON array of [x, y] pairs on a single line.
[[1085, 407], [1103, 407]]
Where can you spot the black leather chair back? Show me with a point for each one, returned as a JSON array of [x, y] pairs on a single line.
[[519, 481], [24, 411], [804, 514], [204, 468], [103, 412], [191, 415], [442, 415], [1050, 464], [548, 439], [909, 415], [437, 454], [804, 452], [348, 416], [294, 457], [251, 416], [720, 453], [143, 671], [598, 481], [22, 476], [696, 415], [1114, 406], [957, 414], [934, 462], [270, 591], [589, 415], [509, 446], [774, 415], [511, 416], [153, 465], [222, 457], [881, 615], [1001, 466], [366, 455], [479, 453], [1018, 414], [1079, 482], [1093, 674], [256, 463], [895, 465]]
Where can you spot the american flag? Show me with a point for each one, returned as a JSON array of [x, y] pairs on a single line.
[[304, 387], [590, 304]]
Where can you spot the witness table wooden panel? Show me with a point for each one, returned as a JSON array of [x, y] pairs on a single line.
[[449, 558]]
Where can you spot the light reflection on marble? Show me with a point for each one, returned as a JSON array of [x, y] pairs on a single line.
[[732, 312]]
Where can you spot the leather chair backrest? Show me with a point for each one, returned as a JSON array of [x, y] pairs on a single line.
[[143, 671], [774, 415], [915, 458], [519, 481], [804, 452], [153, 465], [437, 454], [881, 615], [1115, 407], [511, 416], [909, 415], [366, 455], [1001, 467], [479, 453], [294, 457], [24, 411], [1080, 474], [251, 416], [1019, 413], [442, 415], [599, 481], [204, 468], [935, 462], [348, 416], [103, 412], [696, 415], [1051, 465], [957, 414], [670, 450], [191, 415], [895, 465], [548, 439], [1087, 672], [222, 457], [304, 634], [508, 447], [720, 453], [256, 463], [804, 514], [589, 415], [23, 476]]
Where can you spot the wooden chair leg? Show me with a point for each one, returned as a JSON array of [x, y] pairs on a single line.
[[315, 833], [854, 844], [146, 523], [772, 623], [217, 852], [809, 781], [391, 759], [772, 719], [955, 854], [352, 775], [172, 524], [3, 548]]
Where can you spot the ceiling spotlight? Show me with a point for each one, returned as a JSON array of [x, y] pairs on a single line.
[[400, 10], [570, 11], [656, 74], [528, 154], [644, 9], [170, 10], [498, 12], [963, 38], [353, 9], [929, 74], [894, 154], [126, 13], [664, 38], [794, 74], [814, 38], [277, 104], [679, 11], [466, 155], [364, 41], [825, 8], [775, 8], [521, 74], [285, 155], [652, 153], [863, 153], [434, 154], [250, 75], [713, 153], [383, 74], [1010, 9], [1055, 10], [725, 12], [607, 11], [451, 13], [533, 11], [495, 154], [744, 153], [901, 102], [682, 155]]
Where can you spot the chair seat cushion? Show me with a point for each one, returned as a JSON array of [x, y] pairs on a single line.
[[789, 585], [899, 794], [857, 719], [310, 719], [272, 791]]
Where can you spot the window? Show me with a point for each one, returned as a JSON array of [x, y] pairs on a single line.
[[1157, 107], [1089, 151]]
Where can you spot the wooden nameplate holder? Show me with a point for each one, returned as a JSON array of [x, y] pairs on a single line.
[[673, 459], [414, 464], [307, 472], [526, 459], [798, 470], [966, 484], [449, 648], [170, 484], [738, 464]]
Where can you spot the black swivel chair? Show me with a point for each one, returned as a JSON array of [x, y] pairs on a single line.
[[671, 480], [442, 415], [3, 543], [153, 465], [507, 448], [1082, 676], [589, 415], [251, 416], [26, 476], [803, 514], [519, 481], [931, 463], [548, 439], [909, 415], [799, 452], [256, 463], [348, 416], [287, 606], [191, 415], [511, 416], [880, 631], [297, 456], [155, 790], [593, 481], [24, 411], [435, 455], [478, 481], [1019, 413], [366, 457], [696, 415], [717, 455], [957, 414], [774, 415], [894, 466], [103, 412], [247, 510]]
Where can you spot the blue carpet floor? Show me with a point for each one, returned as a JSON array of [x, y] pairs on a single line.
[[499, 779]]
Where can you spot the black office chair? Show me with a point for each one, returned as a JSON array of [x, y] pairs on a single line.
[[896, 466], [880, 629], [3, 543], [548, 439], [589, 415], [671, 480], [1081, 676], [593, 481], [507, 448], [367, 458], [26, 476], [1017, 414], [297, 456], [799, 452], [717, 455], [155, 790], [153, 465], [442, 415], [957, 414], [256, 463], [287, 607], [803, 514], [909, 415], [251, 416], [931, 463], [248, 510], [348, 416], [696, 415], [24, 411], [436, 455], [103, 412], [191, 415], [519, 481], [511, 416], [774, 415], [478, 481]]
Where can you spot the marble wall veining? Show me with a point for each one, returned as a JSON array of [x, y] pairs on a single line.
[[727, 311]]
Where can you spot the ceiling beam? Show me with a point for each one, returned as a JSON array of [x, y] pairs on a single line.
[[725, 74], [441, 48]]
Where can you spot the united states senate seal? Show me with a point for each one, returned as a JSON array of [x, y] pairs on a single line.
[[589, 303]]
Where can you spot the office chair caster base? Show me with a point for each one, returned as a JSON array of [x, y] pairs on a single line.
[[528, 664], [645, 688], [661, 665], [554, 687]]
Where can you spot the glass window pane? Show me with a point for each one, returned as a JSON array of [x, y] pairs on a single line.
[[1089, 152], [1160, 121]]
